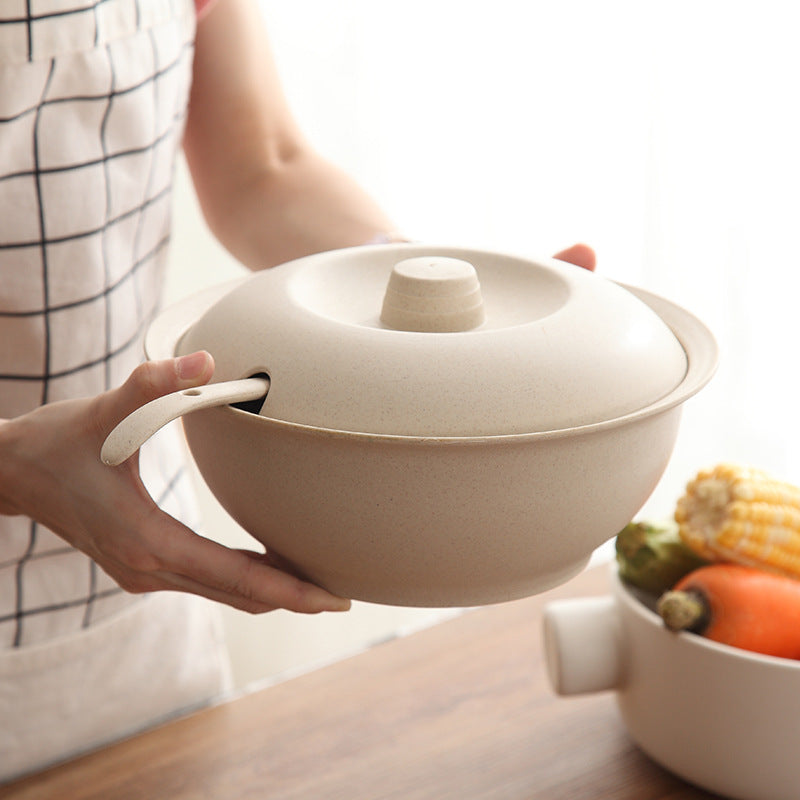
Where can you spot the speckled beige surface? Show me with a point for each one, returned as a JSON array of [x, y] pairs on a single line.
[[420, 522], [438, 469], [559, 347]]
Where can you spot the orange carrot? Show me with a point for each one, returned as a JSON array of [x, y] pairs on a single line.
[[740, 606]]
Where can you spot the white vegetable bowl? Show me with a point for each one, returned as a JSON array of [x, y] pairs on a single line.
[[421, 425], [723, 718]]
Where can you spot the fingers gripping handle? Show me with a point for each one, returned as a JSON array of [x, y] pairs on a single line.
[[582, 645], [133, 431]]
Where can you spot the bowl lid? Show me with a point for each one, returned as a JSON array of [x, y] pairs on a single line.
[[417, 340]]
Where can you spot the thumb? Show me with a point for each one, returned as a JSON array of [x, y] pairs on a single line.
[[154, 379]]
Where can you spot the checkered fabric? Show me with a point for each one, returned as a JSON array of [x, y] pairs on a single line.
[[92, 104]]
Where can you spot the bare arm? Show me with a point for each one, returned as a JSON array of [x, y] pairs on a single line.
[[266, 194]]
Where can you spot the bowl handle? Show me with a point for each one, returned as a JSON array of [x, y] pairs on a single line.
[[133, 431], [582, 645]]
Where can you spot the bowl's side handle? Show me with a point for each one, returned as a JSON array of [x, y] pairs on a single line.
[[582, 645]]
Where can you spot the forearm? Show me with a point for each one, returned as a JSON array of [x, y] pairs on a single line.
[[266, 194], [305, 205]]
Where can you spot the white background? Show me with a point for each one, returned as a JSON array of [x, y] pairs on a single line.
[[666, 135]]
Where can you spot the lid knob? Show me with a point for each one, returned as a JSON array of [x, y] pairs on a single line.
[[433, 294]]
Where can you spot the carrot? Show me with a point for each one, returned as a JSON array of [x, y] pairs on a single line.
[[737, 605]]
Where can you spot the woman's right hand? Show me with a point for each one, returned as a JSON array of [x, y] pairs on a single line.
[[50, 470]]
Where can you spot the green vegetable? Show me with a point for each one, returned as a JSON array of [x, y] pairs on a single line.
[[652, 557]]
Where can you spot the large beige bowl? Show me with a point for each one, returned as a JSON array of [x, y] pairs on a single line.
[[429, 522], [452, 448], [722, 718]]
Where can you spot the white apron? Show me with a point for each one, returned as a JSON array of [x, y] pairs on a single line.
[[93, 98]]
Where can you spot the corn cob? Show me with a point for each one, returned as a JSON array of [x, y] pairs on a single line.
[[742, 515]]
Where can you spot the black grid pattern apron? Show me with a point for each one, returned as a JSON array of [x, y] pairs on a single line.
[[93, 98], [92, 103]]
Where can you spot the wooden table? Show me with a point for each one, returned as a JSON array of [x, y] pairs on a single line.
[[461, 710]]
